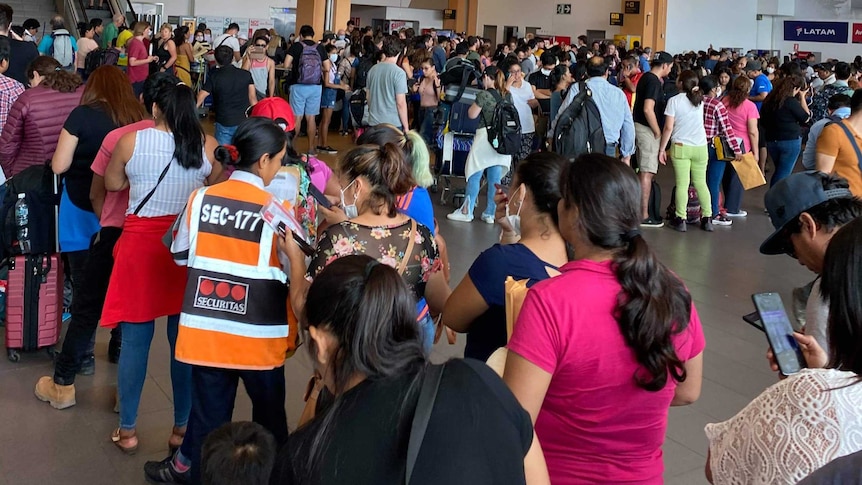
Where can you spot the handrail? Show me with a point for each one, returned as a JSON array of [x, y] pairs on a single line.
[[83, 13]]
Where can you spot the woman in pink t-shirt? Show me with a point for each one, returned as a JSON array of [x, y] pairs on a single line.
[[743, 116], [139, 58], [600, 352]]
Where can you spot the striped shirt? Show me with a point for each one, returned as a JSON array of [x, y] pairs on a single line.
[[717, 123], [153, 150], [10, 89]]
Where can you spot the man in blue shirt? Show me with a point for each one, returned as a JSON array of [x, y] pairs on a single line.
[[644, 59], [761, 87], [617, 122], [439, 53]]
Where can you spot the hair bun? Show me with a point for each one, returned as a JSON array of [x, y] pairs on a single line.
[[227, 154]]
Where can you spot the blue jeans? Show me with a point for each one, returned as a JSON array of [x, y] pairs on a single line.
[[784, 154], [224, 134], [345, 111], [426, 129], [493, 175], [611, 149], [714, 175], [132, 372]]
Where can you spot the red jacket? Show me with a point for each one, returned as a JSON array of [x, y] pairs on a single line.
[[33, 127]]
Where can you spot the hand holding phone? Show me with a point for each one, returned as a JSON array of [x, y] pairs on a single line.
[[319, 197], [776, 324]]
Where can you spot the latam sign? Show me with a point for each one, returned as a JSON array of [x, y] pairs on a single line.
[[832, 32], [857, 33]]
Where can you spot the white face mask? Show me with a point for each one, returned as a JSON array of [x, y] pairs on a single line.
[[340, 37], [351, 211], [770, 70], [333, 58], [513, 221], [546, 72], [208, 38], [199, 39]]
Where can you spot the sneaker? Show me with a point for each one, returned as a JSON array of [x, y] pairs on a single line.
[[327, 149], [165, 472], [59, 397], [311, 153], [650, 222], [460, 216], [741, 213], [487, 219], [88, 366], [721, 220], [706, 224], [677, 224]]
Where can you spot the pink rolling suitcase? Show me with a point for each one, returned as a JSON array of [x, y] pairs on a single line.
[[34, 307]]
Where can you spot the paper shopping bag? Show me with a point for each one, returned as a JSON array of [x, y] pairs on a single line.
[[516, 292], [749, 172]]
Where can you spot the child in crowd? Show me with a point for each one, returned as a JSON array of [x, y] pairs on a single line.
[[238, 453]]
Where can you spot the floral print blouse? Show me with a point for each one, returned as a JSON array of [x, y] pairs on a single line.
[[387, 244]]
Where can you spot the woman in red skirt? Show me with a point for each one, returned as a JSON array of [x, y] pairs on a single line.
[[161, 167]]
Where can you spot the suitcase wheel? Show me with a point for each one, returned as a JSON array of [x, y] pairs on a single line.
[[13, 355]]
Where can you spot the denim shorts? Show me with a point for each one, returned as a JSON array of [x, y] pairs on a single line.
[[305, 99], [327, 99]]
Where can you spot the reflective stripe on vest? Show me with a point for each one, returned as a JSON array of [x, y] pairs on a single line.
[[226, 292]]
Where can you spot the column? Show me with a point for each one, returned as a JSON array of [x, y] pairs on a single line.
[[313, 13]]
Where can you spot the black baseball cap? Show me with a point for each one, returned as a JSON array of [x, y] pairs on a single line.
[[662, 57], [789, 198]]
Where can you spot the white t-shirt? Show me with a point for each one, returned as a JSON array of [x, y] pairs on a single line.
[[520, 96], [687, 121], [230, 41]]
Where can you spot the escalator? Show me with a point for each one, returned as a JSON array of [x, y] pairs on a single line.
[[77, 11]]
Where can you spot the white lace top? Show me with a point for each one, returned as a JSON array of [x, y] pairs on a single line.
[[793, 428]]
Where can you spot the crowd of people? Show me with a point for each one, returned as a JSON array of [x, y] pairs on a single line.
[[158, 204]]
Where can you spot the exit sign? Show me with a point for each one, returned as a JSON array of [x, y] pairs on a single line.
[[633, 7], [564, 9]]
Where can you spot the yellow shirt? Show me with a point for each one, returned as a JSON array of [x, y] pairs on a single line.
[[123, 39]]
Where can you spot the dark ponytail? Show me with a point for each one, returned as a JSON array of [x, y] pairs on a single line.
[[178, 106], [385, 169], [371, 314], [540, 172], [254, 138], [653, 305], [689, 81]]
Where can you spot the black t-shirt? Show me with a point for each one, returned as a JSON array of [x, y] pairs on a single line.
[[478, 434], [229, 88], [783, 123], [20, 55], [541, 81], [295, 51], [91, 126], [649, 87]]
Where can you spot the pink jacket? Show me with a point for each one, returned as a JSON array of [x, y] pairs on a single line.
[[33, 127]]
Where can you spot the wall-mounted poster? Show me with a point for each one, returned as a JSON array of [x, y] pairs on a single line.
[[284, 20], [216, 24], [255, 24]]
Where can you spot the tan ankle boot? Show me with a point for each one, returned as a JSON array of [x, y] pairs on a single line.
[[59, 397]]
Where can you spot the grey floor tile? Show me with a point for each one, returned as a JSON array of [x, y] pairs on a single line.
[[721, 270]]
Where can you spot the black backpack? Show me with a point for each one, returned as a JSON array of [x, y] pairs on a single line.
[[360, 80], [504, 131], [37, 183], [97, 58], [579, 127]]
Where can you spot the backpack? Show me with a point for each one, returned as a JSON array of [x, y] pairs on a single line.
[[360, 80], [504, 131], [37, 183], [97, 58], [579, 127], [61, 48], [693, 211], [310, 65]]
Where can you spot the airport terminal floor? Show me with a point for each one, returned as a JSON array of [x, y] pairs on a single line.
[[722, 269]]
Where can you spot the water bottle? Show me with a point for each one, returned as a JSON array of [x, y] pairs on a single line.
[[22, 221]]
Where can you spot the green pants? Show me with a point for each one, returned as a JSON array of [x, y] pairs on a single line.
[[689, 167]]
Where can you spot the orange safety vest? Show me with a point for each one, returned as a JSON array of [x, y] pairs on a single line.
[[236, 313]]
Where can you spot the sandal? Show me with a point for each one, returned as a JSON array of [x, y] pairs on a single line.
[[118, 439], [176, 439]]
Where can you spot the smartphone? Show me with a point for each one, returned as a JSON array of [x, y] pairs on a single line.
[[753, 319], [319, 197], [779, 332]]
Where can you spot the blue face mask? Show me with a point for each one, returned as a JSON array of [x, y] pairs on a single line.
[[350, 210]]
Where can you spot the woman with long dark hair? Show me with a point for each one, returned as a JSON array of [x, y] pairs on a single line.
[[725, 78], [363, 340], [814, 412], [530, 248], [684, 127], [107, 104], [36, 118], [784, 112], [185, 54], [600, 352], [242, 257], [160, 166]]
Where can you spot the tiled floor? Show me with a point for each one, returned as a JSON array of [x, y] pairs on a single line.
[[39, 445]]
